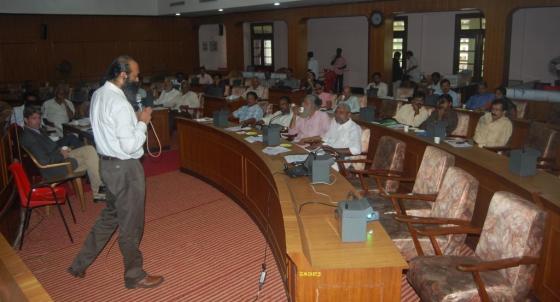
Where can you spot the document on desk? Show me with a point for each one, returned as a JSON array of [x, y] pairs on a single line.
[[295, 158], [204, 120], [237, 128], [252, 139], [275, 150], [458, 143]]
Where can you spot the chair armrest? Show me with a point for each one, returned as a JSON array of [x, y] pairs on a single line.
[[398, 178], [439, 231], [350, 161], [431, 220], [374, 172], [497, 264], [57, 180], [422, 197]]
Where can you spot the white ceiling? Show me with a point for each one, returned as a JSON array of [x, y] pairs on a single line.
[[150, 7]]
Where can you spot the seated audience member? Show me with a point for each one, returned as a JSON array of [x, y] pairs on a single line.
[[325, 97], [311, 122], [204, 78], [255, 87], [282, 117], [308, 84], [435, 79], [250, 113], [216, 89], [344, 137], [414, 113], [511, 107], [37, 141], [167, 94], [58, 110], [481, 100], [446, 89], [379, 87], [289, 82], [443, 114], [187, 99], [351, 100], [494, 128], [29, 99], [234, 78]]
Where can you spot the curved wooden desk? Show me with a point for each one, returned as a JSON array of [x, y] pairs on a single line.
[[312, 261], [493, 174]]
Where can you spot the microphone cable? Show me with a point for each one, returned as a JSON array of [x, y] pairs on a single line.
[[150, 125]]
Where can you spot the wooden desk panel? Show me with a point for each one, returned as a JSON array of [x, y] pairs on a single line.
[[160, 122], [493, 174], [311, 259]]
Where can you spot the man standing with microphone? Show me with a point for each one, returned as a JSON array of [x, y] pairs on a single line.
[[119, 135]]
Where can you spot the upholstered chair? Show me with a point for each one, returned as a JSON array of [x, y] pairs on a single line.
[[427, 183], [546, 139], [358, 160], [503, 265], [455, 201], [387, 161], [462, 129], [388, 108], [521, 108]]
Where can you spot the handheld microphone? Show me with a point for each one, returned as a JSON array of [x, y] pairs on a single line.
[[139, 102]]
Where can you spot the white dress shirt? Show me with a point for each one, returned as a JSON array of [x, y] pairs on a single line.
[[278, 119], [56, 113], [205, 79], [382, 89], [313, 65], [415, 73], [166, 96], [342, 136], [116, 130], [407, 116], [188, 99]]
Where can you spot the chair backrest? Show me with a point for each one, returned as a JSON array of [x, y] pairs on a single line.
[[388, 108], [521, 108], [435, 163], [514, 227], [404, 92], [238, 91], [265, 94], [455, 199], [389, 155], [544, 138], [264, 106], [22, 182], [462, 128], [366, 135]]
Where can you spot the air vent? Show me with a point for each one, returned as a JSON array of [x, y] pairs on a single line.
[[178, 3]]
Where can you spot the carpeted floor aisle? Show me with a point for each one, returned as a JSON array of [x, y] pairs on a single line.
[[206, 246]]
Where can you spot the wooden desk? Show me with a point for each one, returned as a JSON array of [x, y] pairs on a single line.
[[17, 283], [493, 174], [312, 261], [160, 122], [84, 133]]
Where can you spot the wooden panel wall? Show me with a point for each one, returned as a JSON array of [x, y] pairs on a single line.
[[497, 12], [160, 44]]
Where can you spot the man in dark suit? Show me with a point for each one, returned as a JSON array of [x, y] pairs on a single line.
[[68, 148]]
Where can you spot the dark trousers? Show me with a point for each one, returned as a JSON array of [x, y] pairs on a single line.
[[125, 183], [339, 83]]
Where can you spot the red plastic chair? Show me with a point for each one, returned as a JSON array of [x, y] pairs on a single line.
[[45, 193]]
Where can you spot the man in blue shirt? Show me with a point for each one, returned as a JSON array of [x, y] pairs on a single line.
[[481, 100], [250, 113]]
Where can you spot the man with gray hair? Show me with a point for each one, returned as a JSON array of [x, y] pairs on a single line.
[[309, 122], [344, 137], [168, 94]]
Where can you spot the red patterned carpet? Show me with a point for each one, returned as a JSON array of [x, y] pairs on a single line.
[[206, 246]]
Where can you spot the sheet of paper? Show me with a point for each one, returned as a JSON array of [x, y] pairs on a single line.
[[295, 158], [237, 128], [252, 139], [458, 143], [204, 120], [275, 150]]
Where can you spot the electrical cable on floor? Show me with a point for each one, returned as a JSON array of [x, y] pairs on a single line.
[[262, 276]]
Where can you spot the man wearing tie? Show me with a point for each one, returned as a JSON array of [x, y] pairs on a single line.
[[119, 135]]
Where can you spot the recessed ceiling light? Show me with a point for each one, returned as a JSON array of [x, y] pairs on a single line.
[[221, 10], [276, 3], [177, 14]]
